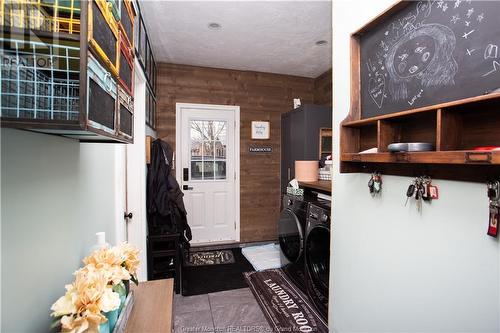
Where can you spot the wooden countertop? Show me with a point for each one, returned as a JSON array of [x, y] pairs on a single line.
[[152, 311], [323, 185]]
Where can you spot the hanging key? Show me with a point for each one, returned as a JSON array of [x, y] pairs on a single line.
[[419, 193], [426, 196], [371, 183], [377, 182], [494, 192], [410, 192]]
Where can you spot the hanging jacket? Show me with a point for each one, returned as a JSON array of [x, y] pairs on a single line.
[[165, 204]]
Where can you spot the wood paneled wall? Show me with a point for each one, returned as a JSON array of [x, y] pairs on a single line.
[[261, 96], [323, 89]]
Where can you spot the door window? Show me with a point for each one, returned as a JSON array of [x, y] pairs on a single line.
[[208, 149]]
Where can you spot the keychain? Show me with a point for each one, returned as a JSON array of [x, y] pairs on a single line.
[[375, 183], [371, 184], [494, 198], [493, 225], [422, 190]]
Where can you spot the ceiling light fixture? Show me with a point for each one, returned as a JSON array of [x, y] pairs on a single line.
[[321, 42], [214, 26]]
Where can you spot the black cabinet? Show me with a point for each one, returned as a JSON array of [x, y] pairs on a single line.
[[147, 61], [165, 258], [300, 131]]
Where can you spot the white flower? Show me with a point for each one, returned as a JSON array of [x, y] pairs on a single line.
[[65, 305], [109, 300]]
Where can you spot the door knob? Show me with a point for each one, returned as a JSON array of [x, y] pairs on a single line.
[[187, 188], [127, 216]]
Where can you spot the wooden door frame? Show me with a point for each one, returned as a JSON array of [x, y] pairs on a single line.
[[178, 147]]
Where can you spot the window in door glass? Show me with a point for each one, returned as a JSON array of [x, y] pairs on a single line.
[[220, 170], [208, 149]]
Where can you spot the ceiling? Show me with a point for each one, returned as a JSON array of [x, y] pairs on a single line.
[[264, 36]]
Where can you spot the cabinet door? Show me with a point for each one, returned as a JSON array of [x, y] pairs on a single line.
[[316, 117], [296, 143], [285, 151]]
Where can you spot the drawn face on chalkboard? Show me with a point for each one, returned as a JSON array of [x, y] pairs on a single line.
[[420, 59], [414, 56]]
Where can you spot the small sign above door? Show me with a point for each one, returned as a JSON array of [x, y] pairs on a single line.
[[260, 149]]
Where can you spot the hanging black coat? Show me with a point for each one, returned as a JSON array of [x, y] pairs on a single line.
[[166, 211]]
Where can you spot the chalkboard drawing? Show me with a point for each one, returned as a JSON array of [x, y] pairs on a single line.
[[469, 52], [423, 55], [491, 51], [466, 34], [470, 12], [376, 87], [496, 68]]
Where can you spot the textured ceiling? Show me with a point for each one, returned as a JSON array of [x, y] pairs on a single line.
[[265, 36]]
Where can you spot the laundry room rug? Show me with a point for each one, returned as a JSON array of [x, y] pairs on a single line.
[[286, 308], [202, 258], [198, 280]]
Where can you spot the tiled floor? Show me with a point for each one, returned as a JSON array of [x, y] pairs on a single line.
[[225, 311]]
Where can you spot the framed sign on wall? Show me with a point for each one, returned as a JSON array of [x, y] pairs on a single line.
[[260, 130]]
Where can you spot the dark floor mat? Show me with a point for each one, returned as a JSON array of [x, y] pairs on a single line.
[[286, 307], [198, 280], [203, 258]]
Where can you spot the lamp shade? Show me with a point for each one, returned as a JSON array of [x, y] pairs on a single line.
[[306, 171]]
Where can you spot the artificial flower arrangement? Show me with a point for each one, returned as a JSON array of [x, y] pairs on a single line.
[[95, 298]]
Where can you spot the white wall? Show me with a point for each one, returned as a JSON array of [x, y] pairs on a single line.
[[56, 194], [393, 269], [136, 174]]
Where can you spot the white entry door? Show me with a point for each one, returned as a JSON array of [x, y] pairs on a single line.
[[207, 166]]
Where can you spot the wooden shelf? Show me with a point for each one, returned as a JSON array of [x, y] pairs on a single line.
[[322, 185], [434, 157], [462, 102], [153, 307], [9, 31]]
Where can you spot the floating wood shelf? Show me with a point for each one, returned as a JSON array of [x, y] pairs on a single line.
[[10, 31], [454, 128], [433, 108], [441, 157], [322, 185]]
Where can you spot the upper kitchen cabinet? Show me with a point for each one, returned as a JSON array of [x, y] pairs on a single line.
[[145, 54], [68, 68], [301, 130], [146, 59]]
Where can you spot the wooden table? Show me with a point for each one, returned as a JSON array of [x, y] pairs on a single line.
[[152, 312]]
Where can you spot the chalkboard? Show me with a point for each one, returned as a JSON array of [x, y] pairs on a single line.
[[430, 52]]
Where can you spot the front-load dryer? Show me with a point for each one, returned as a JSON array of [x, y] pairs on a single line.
[[317, 255], [291, 235]]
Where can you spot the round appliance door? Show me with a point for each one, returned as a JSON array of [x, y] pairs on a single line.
[[318, 256], [290, 235]]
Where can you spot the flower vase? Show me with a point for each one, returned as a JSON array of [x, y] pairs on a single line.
[[121, 290], [104, 327], [112, 319], [127, 286]]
